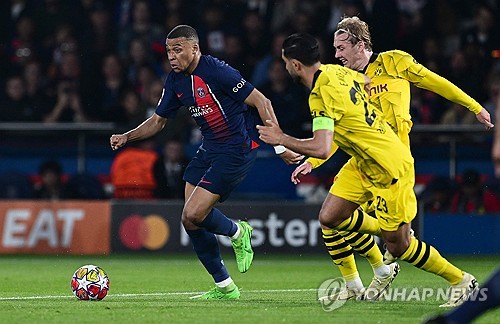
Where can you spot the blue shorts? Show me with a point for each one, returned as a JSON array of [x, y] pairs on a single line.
[[219, 172]]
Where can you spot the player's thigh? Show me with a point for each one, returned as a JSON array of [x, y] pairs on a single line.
[[396, 205], [349, 184], [199, 204]]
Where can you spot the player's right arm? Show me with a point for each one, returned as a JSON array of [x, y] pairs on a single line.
[[266, 112], [148, 128]]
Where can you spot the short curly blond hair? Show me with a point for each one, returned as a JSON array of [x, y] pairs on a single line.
[[356, 29]]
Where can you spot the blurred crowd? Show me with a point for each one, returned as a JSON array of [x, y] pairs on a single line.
[[95, 60], [104, 60]]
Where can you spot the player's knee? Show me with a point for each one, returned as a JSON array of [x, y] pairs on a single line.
[[190, 216], [328, 221]]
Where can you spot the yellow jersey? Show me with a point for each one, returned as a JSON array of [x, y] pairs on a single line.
[[359, 128]]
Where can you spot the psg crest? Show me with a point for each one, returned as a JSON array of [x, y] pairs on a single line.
[[201, 92]]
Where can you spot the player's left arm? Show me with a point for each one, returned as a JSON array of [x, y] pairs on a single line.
[[426, 79], [436, 83]]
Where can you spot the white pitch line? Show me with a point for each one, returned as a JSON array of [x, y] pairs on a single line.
[[155, 294]]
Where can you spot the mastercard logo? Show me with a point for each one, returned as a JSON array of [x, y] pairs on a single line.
[[151, 232]]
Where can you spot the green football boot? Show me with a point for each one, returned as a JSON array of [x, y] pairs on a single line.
[[242, 247], [218, 293]]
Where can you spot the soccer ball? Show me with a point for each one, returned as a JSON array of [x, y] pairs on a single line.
[[89, 282]]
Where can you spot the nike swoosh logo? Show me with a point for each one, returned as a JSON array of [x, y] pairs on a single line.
[[179, 95], [205, 181]]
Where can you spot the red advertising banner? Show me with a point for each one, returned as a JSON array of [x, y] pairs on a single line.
[[55, 227]]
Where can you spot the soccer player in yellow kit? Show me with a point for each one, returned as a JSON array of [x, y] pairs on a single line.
[[380, 161], [391, 73]]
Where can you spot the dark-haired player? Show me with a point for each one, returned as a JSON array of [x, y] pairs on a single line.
[[217, 97], [380, 161]]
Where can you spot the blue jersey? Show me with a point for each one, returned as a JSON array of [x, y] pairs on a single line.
[[214, 94]]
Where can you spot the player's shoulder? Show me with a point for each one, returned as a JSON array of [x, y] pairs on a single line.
[[214, 63], [217, 67], [395, 55], [335, 73]]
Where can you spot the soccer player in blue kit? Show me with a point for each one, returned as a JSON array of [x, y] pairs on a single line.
[[217, 97]]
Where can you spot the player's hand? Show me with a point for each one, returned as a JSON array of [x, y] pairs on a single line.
[[271, 133], [117, 140], [290, 157], [301, 170], [484, 118]]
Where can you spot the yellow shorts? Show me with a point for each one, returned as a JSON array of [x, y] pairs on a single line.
[[392, 206]]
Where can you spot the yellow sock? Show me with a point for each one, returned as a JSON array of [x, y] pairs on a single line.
[[360, 222], [427, 258], [341, 254], [365, 245]]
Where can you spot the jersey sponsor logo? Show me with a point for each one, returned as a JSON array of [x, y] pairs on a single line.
[[378, 89], [201, 92], [198, 111], [239, 85]]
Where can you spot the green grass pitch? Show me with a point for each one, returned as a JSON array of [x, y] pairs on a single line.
[[156, 289]]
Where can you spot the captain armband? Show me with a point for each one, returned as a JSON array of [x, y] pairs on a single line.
[[322, 123]]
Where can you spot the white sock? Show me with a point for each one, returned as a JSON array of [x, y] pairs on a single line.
[[224, 283], [237, 234], [383, 271], [355, 284]]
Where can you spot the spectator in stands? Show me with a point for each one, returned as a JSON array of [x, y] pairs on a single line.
[[171, 168], [437, 195], [109, 88], [261, 71], [235, 53], [100, 38], [457, 115], [256, 39], [145, 77], [65, 52], [132, 171], [133, 109], [212, 32], [23, 46], [36, 87], [289, 101], [68, 106], [472, 196], [153, 95], [16, 106], [48, 15], [138, 56], [51, 184], [141, 27], [10, 13], [479, 39]]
